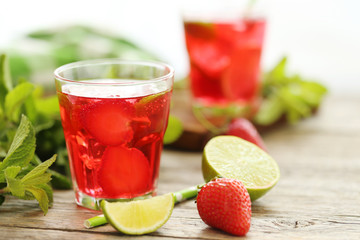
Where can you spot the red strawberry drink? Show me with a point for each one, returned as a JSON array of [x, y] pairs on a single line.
[[114, 126], [225, 61]]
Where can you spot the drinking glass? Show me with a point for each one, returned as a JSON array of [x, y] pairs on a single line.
[[224, 41], [114, 115]]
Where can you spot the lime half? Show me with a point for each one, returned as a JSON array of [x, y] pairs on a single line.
[[233, 157], [140, 216]]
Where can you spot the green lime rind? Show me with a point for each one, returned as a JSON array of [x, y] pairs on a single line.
[[141, 105], [140, 216], [233, 157], [150, 98], [174, 130]]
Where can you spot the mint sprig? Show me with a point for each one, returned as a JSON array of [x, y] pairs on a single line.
[[24, 115], [289, 96], [25, 98], [22, 148], [21, 179]]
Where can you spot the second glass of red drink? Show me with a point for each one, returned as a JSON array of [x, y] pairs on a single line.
[[224, 47]]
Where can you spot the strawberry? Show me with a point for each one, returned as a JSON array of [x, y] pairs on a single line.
[[225, 204], [124, 172], [109, 121], [243, 128]]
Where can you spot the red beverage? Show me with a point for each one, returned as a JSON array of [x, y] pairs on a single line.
[[225, 61], [114, 144], [114, 115]]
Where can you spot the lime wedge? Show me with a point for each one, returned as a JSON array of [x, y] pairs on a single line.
[[233, 157], [150, 98], [140, 216]]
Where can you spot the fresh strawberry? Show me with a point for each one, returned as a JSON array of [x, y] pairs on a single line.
[[243, 128], [109, 122], [124, 172], [225, 204]]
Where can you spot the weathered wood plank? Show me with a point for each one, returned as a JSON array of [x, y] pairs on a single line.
[[317, 197]]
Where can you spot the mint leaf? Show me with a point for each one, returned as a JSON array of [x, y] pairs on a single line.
[[270, 111], [12, 172], [295, 105], [2, 153], [15, 98], [48, 191], [39, 170], [5, 82], [173, 131], [278, 74], [41, 197], [28, 196], [38, 180], [312, 93], [287, 95], [48, 106], [15, 186], [32, 185], [23, 146], [30, 108], [5, 77]]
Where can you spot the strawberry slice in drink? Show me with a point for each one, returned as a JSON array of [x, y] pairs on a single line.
[[124, 172], [210, 58], [241, 80], [108, 121]]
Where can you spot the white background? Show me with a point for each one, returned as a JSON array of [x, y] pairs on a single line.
[[320, 37]]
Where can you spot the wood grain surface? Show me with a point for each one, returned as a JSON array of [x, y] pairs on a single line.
[[317, 197]]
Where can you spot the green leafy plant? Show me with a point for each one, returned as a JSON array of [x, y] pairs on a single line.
[[20, 173], [284, 97], [65, 45], [23, 173], [287, 95], [37, 54]]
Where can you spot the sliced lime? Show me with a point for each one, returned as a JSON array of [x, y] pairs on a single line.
[[173, 130], [150, 98], [233, 157], [140, 216]]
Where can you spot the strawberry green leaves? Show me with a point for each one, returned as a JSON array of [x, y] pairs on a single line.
[[22, 179], [289, 96]]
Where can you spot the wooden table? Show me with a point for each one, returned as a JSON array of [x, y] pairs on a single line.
[[317, 197]]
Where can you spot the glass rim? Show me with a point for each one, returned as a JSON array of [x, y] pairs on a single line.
[[108, 61]]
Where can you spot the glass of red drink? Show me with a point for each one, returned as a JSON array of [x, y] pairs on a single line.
[[224, 49], [114, 115]]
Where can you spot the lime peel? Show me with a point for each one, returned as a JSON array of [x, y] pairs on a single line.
[[233, 157], [141, 216]]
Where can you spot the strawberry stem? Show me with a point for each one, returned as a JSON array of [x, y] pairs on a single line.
[[179, 196]]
